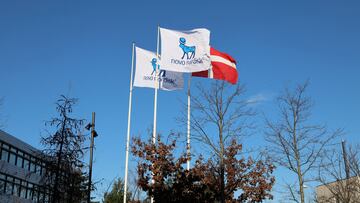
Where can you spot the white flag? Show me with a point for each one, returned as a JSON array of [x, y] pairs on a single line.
[[146, 65], [185, 51]]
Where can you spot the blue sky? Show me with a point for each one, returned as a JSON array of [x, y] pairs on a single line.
[[83, 49]]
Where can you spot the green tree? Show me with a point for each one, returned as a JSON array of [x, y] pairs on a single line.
[[116, 194]]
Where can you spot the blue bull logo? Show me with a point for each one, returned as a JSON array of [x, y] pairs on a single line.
[[186, 49], [162, 73]]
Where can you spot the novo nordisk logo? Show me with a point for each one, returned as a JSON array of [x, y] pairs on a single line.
[[186, 49], [162, 73], [189, 51]]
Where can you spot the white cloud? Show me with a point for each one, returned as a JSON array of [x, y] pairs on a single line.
[[259, 98]]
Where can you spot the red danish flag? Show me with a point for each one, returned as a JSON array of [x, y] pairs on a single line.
[[223, 67]]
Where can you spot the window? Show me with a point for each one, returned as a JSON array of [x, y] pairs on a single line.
[[2, 183], [4, 155], [33, 165], [12, 159], [35, 195], [12, 149], [38, 169], [23, 189], [19, 161], [8, 188], [9, 185], [26, 164], [26, 156], [16, 189], [30, 191], [5, 146], [20, 153]]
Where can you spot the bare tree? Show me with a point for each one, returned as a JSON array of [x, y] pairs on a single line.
[[295, 143], [339, 176], [219, 116]]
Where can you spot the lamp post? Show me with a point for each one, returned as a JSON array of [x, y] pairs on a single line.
[[93, 135]]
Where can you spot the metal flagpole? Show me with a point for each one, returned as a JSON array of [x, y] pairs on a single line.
[[188, 125], [155, 95], [128, 126], [156, 86]]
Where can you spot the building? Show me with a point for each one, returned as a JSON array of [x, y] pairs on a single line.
[[21, 172], [339, 191]]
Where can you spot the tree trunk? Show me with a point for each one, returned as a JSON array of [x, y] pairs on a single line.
[[301, 184], [222, 167], [56, 183], [298, 161], [222, 183]]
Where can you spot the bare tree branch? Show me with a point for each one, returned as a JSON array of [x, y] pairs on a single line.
[[295, 143]]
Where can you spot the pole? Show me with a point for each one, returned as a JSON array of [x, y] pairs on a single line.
[[91, 154], [128, 126], [188, 125], [155, 95], [156, 88], [346, 163]]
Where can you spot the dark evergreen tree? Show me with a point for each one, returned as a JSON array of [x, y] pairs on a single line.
[[64, 152]]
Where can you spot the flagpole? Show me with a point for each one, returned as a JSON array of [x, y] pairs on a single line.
[[128, 126], [188, 125], [155, 95], [156, 88]]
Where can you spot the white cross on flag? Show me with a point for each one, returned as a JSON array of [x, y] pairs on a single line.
[[146, 65], [185, 51]]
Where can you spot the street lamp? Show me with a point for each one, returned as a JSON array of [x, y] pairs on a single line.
[[93, 135]]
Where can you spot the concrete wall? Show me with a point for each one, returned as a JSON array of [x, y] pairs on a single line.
[[325, 193]]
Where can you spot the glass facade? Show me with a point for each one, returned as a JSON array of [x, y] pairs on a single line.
[[16, 186], [21, 159]]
